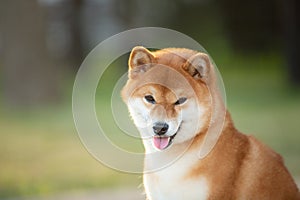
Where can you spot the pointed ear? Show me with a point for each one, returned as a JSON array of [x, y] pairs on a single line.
[[198, 66], [140, 60]]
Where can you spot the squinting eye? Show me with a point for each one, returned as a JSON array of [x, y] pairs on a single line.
[[150, 99], [180, 101]]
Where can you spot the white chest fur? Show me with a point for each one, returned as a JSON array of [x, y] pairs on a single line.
[[172, 182]]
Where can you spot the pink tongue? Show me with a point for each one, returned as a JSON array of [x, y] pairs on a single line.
[[161, 142]]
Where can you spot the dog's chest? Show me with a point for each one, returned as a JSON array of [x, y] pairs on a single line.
[[174, 183]]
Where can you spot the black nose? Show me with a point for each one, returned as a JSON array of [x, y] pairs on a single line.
[[160, 128]]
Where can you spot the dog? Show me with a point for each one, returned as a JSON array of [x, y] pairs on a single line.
[[173, 99]]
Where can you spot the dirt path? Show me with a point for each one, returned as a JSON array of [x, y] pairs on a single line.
[[112, 194]]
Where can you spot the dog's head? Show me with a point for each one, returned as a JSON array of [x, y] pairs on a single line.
[[167, 95]]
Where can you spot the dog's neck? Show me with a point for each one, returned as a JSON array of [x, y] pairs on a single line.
[[161, 159]]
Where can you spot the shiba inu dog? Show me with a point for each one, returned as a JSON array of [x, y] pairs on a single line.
[[173, 99]]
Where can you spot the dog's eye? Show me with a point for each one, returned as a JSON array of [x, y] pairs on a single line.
[[150, 99], [180, 101]]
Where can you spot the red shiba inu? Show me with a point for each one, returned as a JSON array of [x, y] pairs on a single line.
[[173, 99]]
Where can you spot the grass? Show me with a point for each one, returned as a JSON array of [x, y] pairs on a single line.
[[40, 158], [40, 151]]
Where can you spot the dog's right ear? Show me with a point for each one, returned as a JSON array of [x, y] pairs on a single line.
[[140, 61]]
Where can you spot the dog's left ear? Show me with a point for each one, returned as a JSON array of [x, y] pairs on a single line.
[[140, 61], [198, 66]]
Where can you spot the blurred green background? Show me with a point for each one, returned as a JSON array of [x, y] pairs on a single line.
[[43, 42]]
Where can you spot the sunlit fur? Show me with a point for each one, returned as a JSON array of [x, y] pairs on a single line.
[[238, 167], [180, 118]]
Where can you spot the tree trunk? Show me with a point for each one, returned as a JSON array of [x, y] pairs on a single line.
[[291, 25], [29, 75]]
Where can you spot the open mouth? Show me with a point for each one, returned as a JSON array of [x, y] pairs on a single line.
[[163, 142]]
